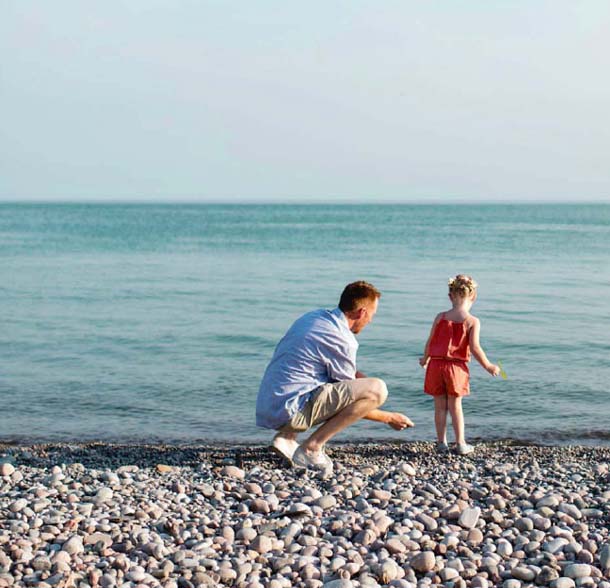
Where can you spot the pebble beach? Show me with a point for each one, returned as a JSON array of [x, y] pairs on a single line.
[[392, 514]]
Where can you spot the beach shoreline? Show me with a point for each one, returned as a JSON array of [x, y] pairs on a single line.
[[188, 454], [393, 514]]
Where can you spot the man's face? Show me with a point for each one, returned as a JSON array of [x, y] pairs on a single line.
[[367, 312]]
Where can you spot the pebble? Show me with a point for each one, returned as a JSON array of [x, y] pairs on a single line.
[[604, 557], [427, 521], [104, 494], [395, 546], [504, 548], [164, 468], [570, 510], [563, 582], [326, 502], [424, 561], [233, 472], [262, 544], [6, 469], [475, 537], [469, 517], [18, 505], [73, 545], [94, 538], [408, 469], [577, 571], [341, 583], [382, 495], [523, 573]]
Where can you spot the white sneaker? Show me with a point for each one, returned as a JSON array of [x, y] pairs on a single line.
[[464, 449], [442, 447], [284, 447], [317, 461]]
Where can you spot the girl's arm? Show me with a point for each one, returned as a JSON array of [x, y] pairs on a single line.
[[423, 361], [477, 350]]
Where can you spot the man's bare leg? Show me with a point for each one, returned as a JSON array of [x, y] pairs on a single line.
[[369, 393]]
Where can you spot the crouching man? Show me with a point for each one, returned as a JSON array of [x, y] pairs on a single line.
[[312, 380]]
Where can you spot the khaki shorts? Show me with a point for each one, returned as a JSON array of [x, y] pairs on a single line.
[[326, 402]]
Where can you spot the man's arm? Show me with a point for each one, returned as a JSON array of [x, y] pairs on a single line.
[[396, 420]]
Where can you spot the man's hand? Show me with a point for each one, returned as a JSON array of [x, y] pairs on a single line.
[[399, 421], [423, 361]]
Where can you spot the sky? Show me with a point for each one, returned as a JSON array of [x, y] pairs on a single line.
[[317, 101]]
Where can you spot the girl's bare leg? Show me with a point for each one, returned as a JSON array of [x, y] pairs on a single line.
[[457, 418], [440, 418]]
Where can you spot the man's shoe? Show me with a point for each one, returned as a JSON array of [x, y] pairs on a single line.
[[284, 447], [464, 449], [317, 461]]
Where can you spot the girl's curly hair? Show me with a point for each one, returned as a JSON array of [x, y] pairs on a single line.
[[462, 285]]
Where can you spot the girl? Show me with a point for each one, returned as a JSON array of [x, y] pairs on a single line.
[[454, 335]]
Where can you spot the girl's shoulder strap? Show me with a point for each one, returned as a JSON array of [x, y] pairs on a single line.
[[470, 321], [439, 317]]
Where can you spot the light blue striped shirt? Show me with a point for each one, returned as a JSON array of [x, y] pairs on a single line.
[[317, 349]]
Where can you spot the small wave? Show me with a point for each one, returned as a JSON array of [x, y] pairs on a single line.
[[554, 437]]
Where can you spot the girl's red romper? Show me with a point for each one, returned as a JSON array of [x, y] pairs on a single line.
[[449, 351]]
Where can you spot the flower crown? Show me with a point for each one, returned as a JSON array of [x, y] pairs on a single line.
[[462, 283]]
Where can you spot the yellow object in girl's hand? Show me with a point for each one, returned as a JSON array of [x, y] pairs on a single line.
[[502, 372]]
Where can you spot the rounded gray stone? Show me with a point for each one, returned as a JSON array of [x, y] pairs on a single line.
[[563, 582], [424, 561], [469, 517], [73, 545], [326, 502], [577, 570]]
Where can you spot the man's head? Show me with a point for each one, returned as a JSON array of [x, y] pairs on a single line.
[[359, 302]]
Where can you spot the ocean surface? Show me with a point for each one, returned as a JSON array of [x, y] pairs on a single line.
[[154, 323]]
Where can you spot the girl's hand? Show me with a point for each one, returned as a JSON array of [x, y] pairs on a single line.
[[423, 361], [493, 369]]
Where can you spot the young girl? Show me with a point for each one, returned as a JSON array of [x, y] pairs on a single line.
[[454, 335]]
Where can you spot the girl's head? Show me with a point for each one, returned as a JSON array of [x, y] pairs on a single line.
[[462, 287]]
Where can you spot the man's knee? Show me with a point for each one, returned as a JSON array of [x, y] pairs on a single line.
[[379, 391]]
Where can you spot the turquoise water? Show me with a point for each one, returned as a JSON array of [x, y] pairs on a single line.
[[155, 322]]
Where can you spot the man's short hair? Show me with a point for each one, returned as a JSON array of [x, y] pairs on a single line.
[[356, 293]]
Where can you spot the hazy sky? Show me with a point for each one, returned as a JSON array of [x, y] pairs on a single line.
[[305, 101]]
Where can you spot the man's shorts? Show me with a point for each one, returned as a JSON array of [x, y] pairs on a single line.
[[449, 377], [326, 402]]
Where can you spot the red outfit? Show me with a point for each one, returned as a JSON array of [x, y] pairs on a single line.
[[449, 351]]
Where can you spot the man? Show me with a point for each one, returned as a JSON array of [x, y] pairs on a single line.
[[312, 379]]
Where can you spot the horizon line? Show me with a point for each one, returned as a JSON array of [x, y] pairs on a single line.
[[267, 202]]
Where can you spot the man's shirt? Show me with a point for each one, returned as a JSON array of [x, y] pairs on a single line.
[[317, 349]]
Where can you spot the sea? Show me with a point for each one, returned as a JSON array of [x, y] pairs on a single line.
[[153, 323]]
